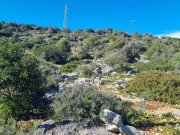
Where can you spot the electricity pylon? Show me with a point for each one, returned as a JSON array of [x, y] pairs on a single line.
[[132, 26], [65, 23]]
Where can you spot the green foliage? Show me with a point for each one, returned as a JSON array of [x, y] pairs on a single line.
[[132, 51], [69, 67], [176, 131], [20, 81], [8, 127], [91, 42], [177, 57], [57, 117], [157, 64], [58, 53], [85, 104], [11, 127], [38, 50], [160, 86], [176, 62], [8, 30], [52, 81], [87, 70], [117, 44], [118, 61], [64, 45], [162, 51], [55, 55], [84, 55], [99, 54], [167, 115]]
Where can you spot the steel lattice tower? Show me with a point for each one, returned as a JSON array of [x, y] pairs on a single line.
[[65, 24], [132, 26]]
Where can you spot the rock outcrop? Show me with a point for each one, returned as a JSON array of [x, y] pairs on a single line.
[[121, 84], [84, 81], [115, 124], [51, 127], [132, 72]]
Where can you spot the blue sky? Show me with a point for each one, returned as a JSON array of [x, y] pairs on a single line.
[[152, 16]]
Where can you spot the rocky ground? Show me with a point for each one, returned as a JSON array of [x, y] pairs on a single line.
[[153, 107], [51, 127], [113, 122], [115, 86]]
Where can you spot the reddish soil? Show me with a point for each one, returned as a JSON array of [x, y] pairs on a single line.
[[153, 107]]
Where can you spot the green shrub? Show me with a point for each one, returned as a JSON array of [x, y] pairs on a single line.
[[84, 55], [160, 86], [85, 104], [132, 51], [64, 45], [54, 54], [8, 127], [162, 51], [58, 53], [87, 70], [99, 54], [91, 42], [38, 49], [11, 127], [176, 62], [117, 44], [69, 67], [158, 64], [168, 115], [117, 61], [52, 81], [20, 82]]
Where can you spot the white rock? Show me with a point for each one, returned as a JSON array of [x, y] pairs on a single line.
[[112, 118], [61, 87], [83, 81], [113, 73], [107, 69], [117, 86], [122, 83], [51, 94], [128, 79], [113, 128], [130, 130]]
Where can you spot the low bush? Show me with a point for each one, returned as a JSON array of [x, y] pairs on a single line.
[[8, 127], [69, 67], [118, 44], [117, 61], [84, 55], [87, 70], [160, 86], [59, 52], [99, 54], [158, 64], [54, 54], [85, 104], [132, 51]]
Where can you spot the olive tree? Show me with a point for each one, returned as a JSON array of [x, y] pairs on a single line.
[[20, 82]]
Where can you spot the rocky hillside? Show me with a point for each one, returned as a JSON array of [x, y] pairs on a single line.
[[58, 82]]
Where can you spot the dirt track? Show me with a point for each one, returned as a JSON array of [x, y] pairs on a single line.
[[153, 107]]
